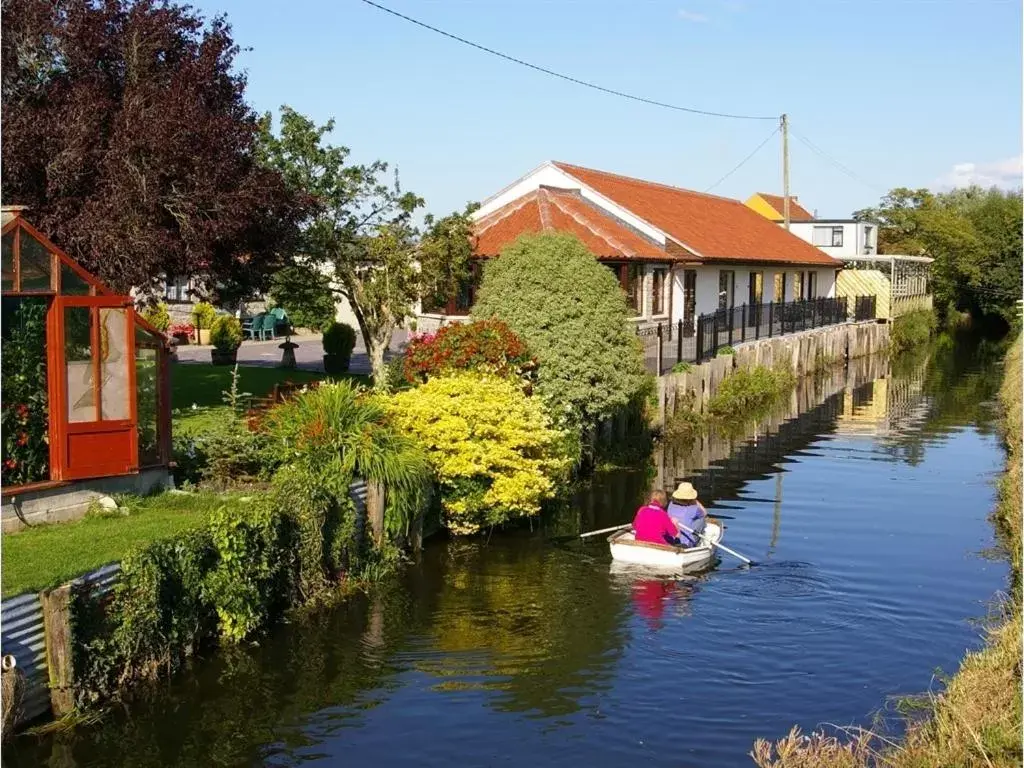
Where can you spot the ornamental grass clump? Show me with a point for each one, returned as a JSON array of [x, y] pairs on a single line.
[[496, 454]]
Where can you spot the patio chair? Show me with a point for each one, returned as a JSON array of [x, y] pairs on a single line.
[[281, 317], [252, 326], [268, 326]]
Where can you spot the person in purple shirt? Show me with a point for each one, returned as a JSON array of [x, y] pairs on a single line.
[[685, 509]]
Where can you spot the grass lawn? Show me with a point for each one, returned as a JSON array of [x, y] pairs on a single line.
[[203, 386], [41, 557]]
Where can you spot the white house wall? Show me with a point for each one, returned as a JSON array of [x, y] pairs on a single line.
[[855, 236]]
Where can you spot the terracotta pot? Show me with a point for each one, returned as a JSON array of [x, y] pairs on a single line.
[[204, 335]]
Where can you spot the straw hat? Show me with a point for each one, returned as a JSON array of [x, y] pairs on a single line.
[[685, 492]]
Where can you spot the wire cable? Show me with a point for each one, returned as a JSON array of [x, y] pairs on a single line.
[[823, 154], [743, 161], [567, 78]]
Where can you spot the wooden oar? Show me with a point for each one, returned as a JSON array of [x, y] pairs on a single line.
[[606, 530], [722, 547]]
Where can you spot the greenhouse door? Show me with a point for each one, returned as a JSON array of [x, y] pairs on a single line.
[[94, 361]]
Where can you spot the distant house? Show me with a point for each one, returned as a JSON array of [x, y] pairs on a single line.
[[677, 253], [840, 238]]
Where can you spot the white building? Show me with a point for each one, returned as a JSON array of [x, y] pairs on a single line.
[[840, 238], [677, 253]]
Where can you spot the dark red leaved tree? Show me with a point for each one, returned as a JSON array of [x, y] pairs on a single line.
[[126, 132]]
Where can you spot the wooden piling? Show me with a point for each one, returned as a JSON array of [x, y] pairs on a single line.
[[57, 625]]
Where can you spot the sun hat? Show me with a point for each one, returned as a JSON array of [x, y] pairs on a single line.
[[685, 492]]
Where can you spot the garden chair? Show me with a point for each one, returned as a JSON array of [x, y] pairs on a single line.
[[268, 326], [281, 317], [252, 327]]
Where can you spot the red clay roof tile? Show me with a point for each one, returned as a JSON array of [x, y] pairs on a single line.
[[796, 211], [716, 228]]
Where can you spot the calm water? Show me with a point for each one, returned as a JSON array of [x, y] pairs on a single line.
[[867, 507]]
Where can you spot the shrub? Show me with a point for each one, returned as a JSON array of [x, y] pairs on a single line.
[[749, 391], [726, 350], [25, 420], [306, 296], [487, 346], [158, 316], [912, 330], [204, 314], [682, 367], [339, 341], [493, 448], [177, 330], [226, 333], [226, 454], [571, 313]]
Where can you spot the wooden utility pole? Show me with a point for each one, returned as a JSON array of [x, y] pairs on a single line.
[[784, 126]]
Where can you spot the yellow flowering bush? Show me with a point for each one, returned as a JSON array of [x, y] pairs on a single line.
[[495, 452]]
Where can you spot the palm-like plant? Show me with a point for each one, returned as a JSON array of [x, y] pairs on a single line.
[[341, 431]]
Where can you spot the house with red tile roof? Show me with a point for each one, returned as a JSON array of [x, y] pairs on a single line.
[[840, 238], [677, 253]]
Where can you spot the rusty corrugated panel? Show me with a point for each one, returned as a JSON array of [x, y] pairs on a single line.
[[22, 636]]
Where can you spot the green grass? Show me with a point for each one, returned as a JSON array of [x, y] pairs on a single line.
[[47, 555]]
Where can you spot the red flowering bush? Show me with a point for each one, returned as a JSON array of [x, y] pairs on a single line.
[[178, 330], [488, 346]]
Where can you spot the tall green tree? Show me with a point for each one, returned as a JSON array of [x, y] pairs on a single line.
[[973, 234], [362, 233]]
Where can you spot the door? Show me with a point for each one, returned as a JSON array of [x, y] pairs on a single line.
[[95, 388], [689, 302]]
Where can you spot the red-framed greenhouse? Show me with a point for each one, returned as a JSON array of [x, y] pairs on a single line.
[[86, 383]]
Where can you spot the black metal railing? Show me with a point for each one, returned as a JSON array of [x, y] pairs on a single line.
[[668, 344], [864, 308]]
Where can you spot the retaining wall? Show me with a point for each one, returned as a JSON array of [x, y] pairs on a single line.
[[802, 353]]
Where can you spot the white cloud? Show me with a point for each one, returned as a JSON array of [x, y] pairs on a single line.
[[696, 18], [1000, 173]]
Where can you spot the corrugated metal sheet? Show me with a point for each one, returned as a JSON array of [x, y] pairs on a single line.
[[866, 282], [358, 493], [22, 636]]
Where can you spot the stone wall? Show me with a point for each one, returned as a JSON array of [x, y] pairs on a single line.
[[802, 353]]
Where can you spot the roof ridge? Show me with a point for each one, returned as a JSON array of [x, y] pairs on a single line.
[[597, 229], [509, 208], [564, 166]]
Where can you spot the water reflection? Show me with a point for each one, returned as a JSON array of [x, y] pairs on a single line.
[[534, 648]]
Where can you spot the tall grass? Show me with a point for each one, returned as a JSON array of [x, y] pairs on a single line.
[[976, 720], [912, 330]]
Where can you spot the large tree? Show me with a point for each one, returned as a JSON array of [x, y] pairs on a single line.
[[362, 234], [127, 134], [973, 234]]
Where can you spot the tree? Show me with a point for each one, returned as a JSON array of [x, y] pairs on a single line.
[[571, 312], [305, 295], [973, 234], [127, 135], [361, 232]]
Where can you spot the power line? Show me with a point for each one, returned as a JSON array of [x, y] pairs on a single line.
[[823, 154], [567, 78], [743, 161]]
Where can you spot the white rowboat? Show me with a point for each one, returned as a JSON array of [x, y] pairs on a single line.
[[626, 549]]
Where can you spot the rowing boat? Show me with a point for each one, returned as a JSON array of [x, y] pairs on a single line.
[[625, 548]]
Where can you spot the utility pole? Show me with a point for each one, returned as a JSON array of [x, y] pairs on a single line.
[[784, 126]]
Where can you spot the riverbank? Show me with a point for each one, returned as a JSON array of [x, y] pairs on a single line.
[[976, 720]]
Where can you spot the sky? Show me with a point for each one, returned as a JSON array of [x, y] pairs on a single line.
[[916, 93]]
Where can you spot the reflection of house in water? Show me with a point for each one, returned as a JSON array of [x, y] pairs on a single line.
[[885, 405]]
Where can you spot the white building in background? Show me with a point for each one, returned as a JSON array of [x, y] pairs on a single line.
[[677, 253]]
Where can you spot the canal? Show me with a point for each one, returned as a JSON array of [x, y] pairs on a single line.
[[865, 498]]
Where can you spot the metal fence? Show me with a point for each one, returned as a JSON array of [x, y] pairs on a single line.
[[668, 344]]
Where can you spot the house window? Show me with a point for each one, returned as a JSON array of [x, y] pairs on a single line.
[[779, 289], [177, 289], [869, 244], [812, 284], [658, 291], [631, 279], [726, 289], [827, 237], [756, 290], [798, 286]]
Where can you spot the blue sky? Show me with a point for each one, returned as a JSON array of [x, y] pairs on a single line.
[[912, 93]]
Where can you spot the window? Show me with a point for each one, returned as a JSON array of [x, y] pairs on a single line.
[[827, 237], [869, 239], [726, 289], [177, 289], [631, 278], [658, 291], [812, 284], [756, 289], [798, 286], [779, 289]]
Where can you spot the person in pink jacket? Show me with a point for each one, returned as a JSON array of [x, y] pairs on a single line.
[[652, 523]]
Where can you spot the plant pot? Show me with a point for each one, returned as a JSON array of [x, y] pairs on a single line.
[[181, 339], [204, 335], [224, 356], [334, 364]]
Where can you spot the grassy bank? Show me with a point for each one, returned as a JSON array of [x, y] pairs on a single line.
[[46, 555], [912, 330], [976, 720]]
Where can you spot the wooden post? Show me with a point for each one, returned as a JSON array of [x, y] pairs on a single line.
[[57, 628], [661, 349], [679, 343], [375, 493], [784, 126]]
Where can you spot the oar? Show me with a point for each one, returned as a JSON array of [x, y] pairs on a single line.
[[722, 547], [606, 530]]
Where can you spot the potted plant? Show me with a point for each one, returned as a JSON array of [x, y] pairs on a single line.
[[339, 341], [226, 337], [204, 315]]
